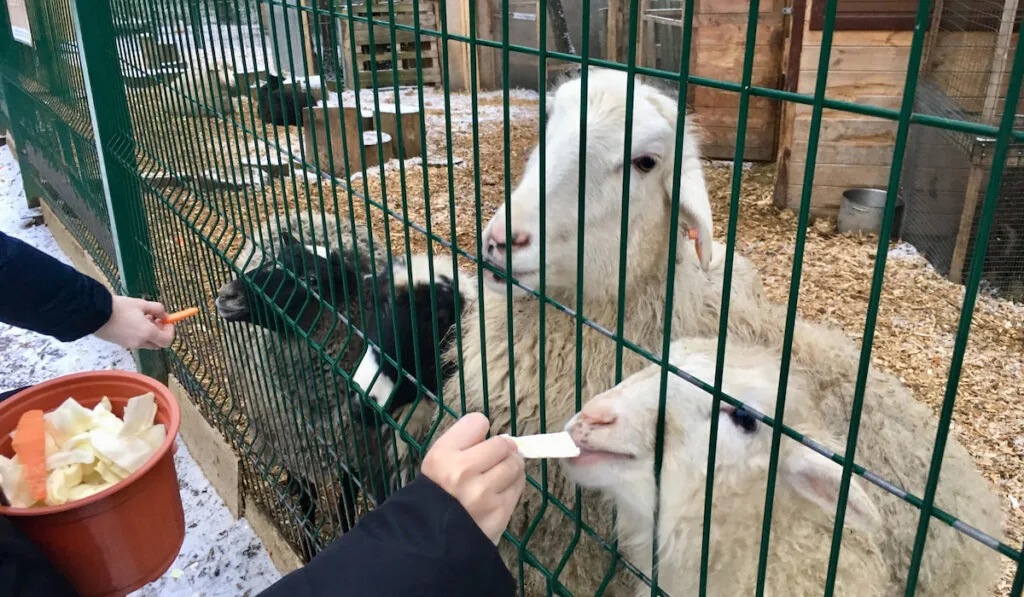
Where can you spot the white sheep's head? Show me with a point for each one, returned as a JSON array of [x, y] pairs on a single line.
[[652, 161], [616, 435]]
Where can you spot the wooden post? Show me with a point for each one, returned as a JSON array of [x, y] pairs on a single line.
[[975, 186], [370, 143], [408, 145], [307, 21], [644, 36], [614, 22], [999, 60], [932, 38], [458, 52], [488, 67], [317, 118]]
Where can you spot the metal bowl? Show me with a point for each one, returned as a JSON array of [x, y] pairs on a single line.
[[861, 211]]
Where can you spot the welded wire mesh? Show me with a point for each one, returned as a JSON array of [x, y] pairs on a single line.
[[966, 78], [212, 166]]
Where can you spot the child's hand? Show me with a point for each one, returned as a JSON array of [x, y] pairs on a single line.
[[131, 324], [486, 477]]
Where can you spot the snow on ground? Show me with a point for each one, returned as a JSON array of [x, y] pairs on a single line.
[[220, 556]]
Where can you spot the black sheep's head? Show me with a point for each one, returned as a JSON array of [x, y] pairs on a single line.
[[292, 284], [273, 81]]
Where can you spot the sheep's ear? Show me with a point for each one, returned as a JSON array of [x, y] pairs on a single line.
[[818, 479], [693, 191], [287, 240]]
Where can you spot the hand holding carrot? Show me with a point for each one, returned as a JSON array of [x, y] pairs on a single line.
[[137, 323]]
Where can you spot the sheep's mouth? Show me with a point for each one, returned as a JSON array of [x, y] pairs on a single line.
[[500, 276], [591, 456], [232, 309]]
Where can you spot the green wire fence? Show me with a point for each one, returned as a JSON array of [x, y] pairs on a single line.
[[129, 131]]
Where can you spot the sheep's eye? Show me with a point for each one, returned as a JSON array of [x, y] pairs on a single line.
[[744, 419], [645, 163]]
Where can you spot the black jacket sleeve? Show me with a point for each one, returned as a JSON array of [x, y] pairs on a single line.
[[420, 543], [44, 295], [24, 569]]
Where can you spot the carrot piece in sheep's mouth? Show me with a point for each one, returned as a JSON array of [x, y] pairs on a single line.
[[590, 456], [695, 237]]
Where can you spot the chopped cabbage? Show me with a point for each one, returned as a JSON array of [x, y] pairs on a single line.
[[69, 419], [88, 450]]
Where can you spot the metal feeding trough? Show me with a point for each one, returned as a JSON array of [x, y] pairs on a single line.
[[862, 210]]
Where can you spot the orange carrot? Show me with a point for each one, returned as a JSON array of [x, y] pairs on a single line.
[[183, 314], [694, 235], [30, 446]]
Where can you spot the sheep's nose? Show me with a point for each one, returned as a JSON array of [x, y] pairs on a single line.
[[497, 242], [592, 417], [230, 292], [597, 417]]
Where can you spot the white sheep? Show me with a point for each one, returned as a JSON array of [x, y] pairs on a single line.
[[697, 296], [616, 435], [828, 358]]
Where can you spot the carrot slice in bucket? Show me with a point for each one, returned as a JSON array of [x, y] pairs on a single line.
[[30, 446], [183, 314]]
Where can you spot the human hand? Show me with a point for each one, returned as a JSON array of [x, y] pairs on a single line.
[[486, 477], [132, 324]]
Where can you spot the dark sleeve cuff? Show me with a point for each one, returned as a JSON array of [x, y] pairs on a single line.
[[471, 553], [420, 543], [46, 296]]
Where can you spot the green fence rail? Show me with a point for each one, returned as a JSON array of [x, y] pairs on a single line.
[[144, 127]]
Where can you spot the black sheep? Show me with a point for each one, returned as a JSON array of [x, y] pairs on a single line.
[[282, 104], [379, 378]]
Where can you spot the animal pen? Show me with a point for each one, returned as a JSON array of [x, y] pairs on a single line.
[[139, 128]]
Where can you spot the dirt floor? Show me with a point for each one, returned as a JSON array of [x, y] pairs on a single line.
[[916, 324]]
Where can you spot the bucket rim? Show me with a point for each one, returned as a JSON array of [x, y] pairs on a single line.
[[850, 196], [172, 427]]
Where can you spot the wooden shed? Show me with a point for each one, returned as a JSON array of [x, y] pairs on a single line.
[[871, 50]]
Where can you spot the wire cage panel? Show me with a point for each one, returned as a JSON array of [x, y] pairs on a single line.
[[290, 211]]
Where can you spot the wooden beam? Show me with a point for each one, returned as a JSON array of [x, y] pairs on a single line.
[[787, 113], [963, 235], [932, 36], [458, 52], [644, 36], [614, 29], [488, 67], [999, 59], [977, 177]]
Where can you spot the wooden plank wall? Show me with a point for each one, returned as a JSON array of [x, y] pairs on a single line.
[[867, 67], [720, 32]]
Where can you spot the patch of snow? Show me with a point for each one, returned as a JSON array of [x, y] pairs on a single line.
[[220, 556], [905, 251]]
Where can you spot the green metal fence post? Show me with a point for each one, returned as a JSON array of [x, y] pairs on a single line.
[[195, 20], [6, 54], [115, 149]]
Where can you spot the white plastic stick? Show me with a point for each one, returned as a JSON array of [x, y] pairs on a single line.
[[546, 445]]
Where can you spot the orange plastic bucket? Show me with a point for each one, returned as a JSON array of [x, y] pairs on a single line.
[[120, 539]]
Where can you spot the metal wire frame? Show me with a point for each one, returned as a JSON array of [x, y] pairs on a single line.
[[223, 211]]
